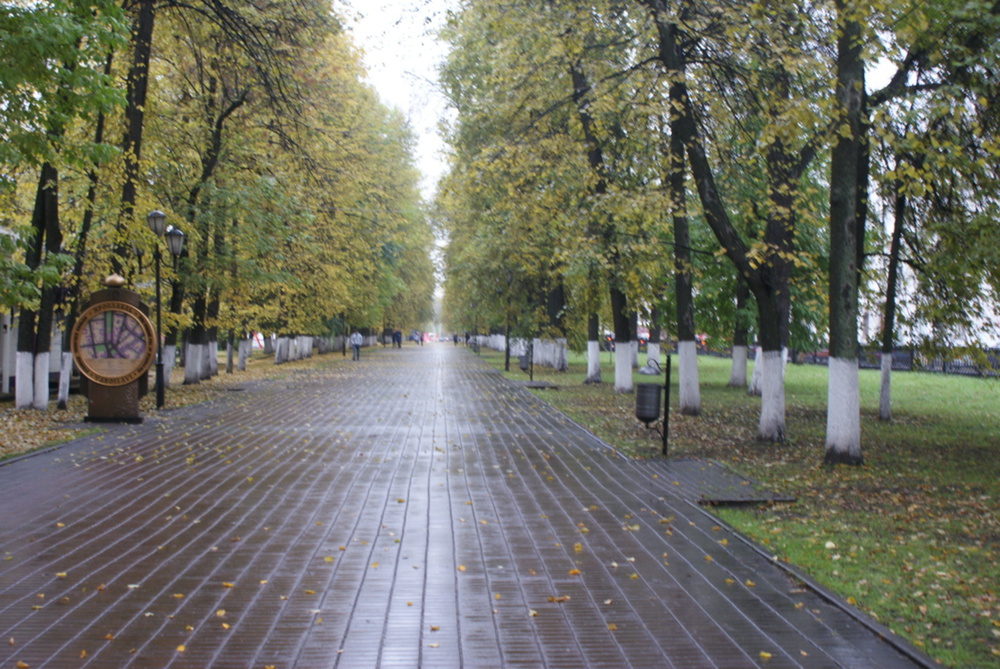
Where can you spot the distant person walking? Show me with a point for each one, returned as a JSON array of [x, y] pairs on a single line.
[[356, 341]]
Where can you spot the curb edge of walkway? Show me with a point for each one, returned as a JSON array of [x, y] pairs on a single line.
[[903, 646]]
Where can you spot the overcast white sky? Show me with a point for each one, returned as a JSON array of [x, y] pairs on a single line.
[[398, 38]]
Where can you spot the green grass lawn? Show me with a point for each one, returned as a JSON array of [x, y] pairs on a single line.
[[911, 537]]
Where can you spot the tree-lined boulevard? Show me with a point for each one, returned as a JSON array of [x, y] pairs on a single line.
[[759, 180]]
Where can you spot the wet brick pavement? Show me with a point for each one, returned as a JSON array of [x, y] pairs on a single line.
[[410, 510]]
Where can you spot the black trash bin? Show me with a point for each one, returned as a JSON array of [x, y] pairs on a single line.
[[522, 362], [647, 402]]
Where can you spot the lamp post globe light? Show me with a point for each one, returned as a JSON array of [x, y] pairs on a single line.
[[157, 220], [175, 241]]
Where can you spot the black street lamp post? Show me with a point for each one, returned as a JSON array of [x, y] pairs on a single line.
[[175, 243]]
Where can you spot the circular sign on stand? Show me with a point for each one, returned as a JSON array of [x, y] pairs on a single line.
[[113, 343]]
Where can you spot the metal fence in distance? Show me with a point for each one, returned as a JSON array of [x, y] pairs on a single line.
[[911, 360]]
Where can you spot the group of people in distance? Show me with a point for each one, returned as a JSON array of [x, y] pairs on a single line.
[[356, 341]]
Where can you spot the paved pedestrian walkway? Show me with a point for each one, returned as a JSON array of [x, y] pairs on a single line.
[[412, 509]]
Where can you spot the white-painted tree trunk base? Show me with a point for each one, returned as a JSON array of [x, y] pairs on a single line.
[[24, 385], [541, 349], [623, 368], [212, 359], [757, 375], [169, 360], [593, 362], [884, 393], [653, 353], [207, 356], [193, 361], [8, 343], [634, 352], [689, 400], [65, 374], [243, 352], [772, 405], [738, 373], [562, 357], [518, 347], [41, 400], [843, 413]]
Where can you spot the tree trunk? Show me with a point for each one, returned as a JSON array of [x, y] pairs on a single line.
[[772, 413], [843, 422], [595, 158], [755, 388], [194, 359], [885, 387], [211, 313], [135, 98], [281, 350], [758, 279], [230, 352], [196, 351], [738, 372], [623, 367], [211, 368], [687, 348], [633, 327], [176, 303], [653, 344], [889, 315], [169, 360], [772, 417], [65, 375], [562, 357], [34, 338], [623, 342], [687, 358], [244, 353], [593, 350], [738, 368]]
